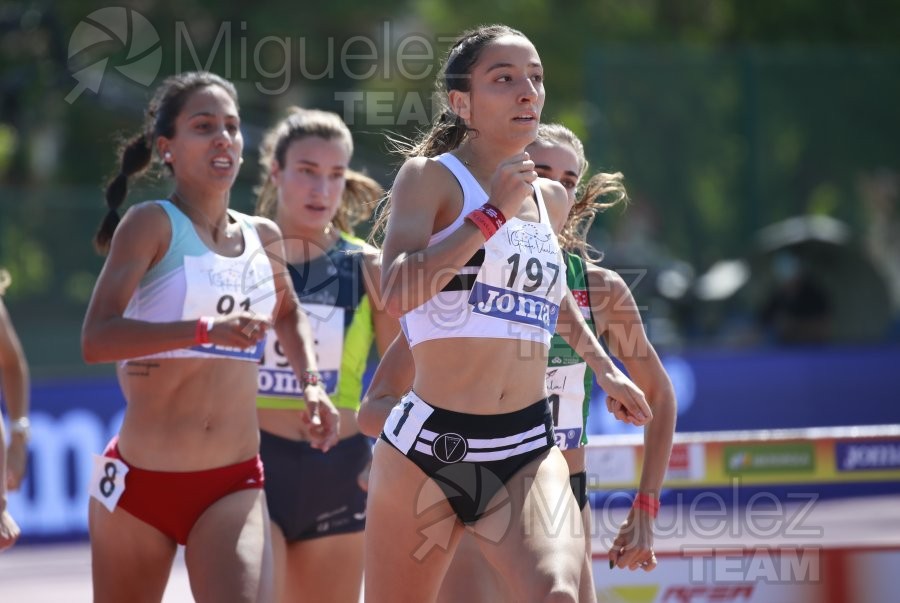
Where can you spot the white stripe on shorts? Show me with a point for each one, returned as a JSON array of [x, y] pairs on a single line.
[[494, 455], [488, 443], [499, 455]]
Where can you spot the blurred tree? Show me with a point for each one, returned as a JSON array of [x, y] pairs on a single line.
[[724, 116]]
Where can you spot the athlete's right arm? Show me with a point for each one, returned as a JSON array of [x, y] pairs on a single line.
[[9, 530], [139, 242], [412, 272], [385, 326], [424, 198], [392, 379]]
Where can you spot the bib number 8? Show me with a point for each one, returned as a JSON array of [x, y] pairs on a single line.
[[108, 482]]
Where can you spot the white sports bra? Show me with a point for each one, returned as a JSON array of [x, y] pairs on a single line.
[[510, 289]]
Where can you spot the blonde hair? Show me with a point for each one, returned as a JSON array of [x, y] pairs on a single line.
[[361, 193], [5, 280], [602, 191]]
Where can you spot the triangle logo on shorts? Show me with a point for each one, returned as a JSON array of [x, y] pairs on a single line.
[[449, 447], [450, 444]]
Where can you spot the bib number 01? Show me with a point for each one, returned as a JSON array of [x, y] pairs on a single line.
[[227, 302]]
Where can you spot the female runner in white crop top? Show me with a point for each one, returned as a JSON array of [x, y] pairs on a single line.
[[465, 386]]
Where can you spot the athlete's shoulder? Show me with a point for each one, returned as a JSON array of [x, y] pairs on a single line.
[[556, 199], [426, 172], [424, 195], [611, 297], [268, 230], [605, 277], [146, 210], [552, 190], [147, 219]]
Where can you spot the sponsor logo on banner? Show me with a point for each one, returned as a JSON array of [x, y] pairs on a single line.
[[703, 593], [687, 462], [867, 456], [769, 458], [677, 593]]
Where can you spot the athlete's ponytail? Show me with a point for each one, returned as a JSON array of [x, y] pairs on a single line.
[[135, 157]]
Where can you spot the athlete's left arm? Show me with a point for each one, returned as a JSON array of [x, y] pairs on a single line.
[[575, 331], [618, 320], [386, 326], [392, 379], [295, 336], [616, 317]]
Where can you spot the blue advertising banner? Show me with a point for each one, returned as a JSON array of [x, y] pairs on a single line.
[[776, 389], [761, 389]]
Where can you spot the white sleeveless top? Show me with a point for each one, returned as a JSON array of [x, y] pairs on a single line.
[[510, 289], [192, 281]]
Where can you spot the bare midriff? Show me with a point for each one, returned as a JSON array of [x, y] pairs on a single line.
[[482, 376], [188, 414]]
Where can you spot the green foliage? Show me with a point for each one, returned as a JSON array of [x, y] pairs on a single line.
[[723, 115]]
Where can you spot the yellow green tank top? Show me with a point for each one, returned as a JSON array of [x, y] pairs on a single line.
[[332, 292]]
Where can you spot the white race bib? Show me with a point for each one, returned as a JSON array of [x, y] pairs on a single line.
[[565, 389], [108, 481], [405, 421], [523, 277], [218, 286], [277, 378]]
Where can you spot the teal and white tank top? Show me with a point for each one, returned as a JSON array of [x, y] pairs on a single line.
[[191, 281]]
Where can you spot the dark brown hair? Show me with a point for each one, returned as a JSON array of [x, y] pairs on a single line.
[[136, 154], [448, 130]]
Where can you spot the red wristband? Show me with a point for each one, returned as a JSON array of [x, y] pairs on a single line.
[[201, 330], [310, 378], [645, 502], [488, 219]]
